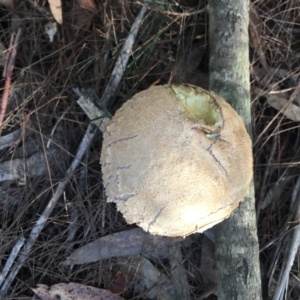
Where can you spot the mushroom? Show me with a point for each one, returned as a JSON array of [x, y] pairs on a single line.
[[176, 159]]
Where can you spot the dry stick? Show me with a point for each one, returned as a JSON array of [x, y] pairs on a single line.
[[238, 271], [89, 135], [122, 60], [8, 74], [19, 244]]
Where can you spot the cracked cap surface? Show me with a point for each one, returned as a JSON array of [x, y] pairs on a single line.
[[172, 169]]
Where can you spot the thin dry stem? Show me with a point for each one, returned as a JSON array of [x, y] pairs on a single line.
[[8, 74]]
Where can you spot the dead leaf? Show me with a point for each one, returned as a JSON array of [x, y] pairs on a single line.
[[56, 10], [87, 4], [125, 243], [73, 291], [119, 284]]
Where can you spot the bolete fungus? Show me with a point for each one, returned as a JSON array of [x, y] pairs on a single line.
[[176, 160]]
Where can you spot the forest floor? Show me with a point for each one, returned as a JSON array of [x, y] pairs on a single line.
[[43, 127]]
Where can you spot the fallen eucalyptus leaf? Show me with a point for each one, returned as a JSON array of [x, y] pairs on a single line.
[[56, 10], [126, 243]]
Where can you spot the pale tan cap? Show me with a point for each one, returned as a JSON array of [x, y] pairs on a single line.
[[176, 160]]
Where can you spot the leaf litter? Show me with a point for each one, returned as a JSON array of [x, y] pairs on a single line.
[[171, 44]]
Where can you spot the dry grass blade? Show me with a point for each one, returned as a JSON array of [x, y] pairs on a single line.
[[13, 255], [8, 73]]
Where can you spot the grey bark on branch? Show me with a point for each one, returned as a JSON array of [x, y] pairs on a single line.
[[237, 250]]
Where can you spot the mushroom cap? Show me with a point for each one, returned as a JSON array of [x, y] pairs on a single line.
[[176, 160]]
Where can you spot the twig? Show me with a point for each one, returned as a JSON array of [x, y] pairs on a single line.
[[86, 101], [19, 244], [89, 135], [122, 60], [8, 74]]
